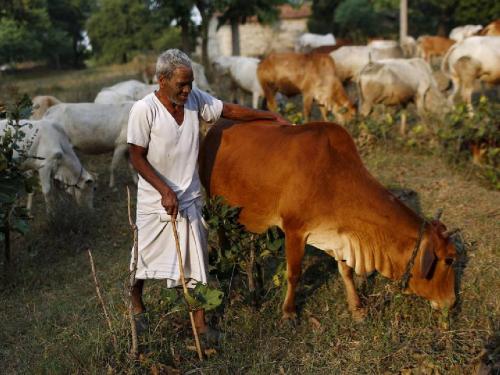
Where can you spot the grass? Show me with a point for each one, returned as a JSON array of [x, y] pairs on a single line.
[[51, 321]]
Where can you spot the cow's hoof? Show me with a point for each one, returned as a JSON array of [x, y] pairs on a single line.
[[359, 314], [289, 317]]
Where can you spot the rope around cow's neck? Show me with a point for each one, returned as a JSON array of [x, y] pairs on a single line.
[[405, 279]]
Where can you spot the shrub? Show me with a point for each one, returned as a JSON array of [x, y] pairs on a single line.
[[14, 184]]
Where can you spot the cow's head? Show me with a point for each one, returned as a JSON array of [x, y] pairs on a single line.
[[84, 190], [81, 186], [433, 274]]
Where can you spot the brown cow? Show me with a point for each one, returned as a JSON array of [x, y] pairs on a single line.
[[433, 46], [312, 75], [493, 29], [310, 181]]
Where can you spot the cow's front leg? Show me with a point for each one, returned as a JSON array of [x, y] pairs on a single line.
[[358, 313], [294, 247], [307, 101], [120, 152]]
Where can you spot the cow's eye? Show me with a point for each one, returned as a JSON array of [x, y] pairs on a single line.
[[449, 261]]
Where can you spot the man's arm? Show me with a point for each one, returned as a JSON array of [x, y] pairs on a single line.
[[143, 167], [239, 113]]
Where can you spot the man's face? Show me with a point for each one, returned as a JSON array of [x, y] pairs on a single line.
[[178, 87]]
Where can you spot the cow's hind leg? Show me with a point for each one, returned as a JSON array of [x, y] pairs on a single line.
[[358, 313], [294, 247]]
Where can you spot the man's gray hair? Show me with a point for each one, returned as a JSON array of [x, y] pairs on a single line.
[[169, 60]]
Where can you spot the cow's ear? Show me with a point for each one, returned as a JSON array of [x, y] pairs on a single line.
[[427, 260]]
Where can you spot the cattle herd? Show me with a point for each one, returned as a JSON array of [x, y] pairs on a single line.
[[321, 68]]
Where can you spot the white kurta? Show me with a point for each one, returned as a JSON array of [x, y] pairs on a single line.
[[173, 153]]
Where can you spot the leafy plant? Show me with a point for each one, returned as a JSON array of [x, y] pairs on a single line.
[[233, 247], [290, 112], [14, 184], [475, 136]]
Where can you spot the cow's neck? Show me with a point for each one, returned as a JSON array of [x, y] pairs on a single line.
[[375, 234]]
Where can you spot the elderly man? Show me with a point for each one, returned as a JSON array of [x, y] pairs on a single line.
[[163, 146]]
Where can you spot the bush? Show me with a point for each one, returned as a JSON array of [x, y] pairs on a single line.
[[14, 184], [474, 136]]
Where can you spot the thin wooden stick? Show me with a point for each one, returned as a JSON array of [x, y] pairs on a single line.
[[134, 351], [101, 300], [184, 287]]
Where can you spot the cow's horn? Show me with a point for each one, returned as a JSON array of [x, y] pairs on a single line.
[[438, 214]]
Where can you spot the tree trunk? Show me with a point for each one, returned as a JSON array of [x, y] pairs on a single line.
[[206, 15], [235, 36], [403, 20], [185, 40]]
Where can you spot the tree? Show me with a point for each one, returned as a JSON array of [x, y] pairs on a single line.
[[43, 30], [357, 19], [322, 17], [68, 18], [120, 28], [235, 12]]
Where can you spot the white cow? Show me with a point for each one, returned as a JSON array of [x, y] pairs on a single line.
[[350, 60], [95, 128], [41, 104], [395, 82], [476, 57], [461, 32], [51, 154], [127, 91], [242, 71], [308, 41]]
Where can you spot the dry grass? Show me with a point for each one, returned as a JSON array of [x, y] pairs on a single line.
[[51, 321]]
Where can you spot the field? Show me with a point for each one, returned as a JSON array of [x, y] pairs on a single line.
[[51, 321]]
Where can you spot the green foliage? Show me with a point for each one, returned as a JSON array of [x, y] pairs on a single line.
[[17, 42], [479, 132], [231, 245], [119, 29], [204, 297], [358, 19], [322, 17], [266, 11], [290, 112], [41, 30], [14, 184]]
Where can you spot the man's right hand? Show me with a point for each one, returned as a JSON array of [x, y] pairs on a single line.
[[170, 203]]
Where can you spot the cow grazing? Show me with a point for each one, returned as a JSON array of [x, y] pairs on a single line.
[[242, 72], [41, 104], [398, 82], [307, 41], [433, 46], [310, 181], [462, 32], [492, 29], [95, 128], [51, 154], [312, 75], [349, 60], [477, 57]]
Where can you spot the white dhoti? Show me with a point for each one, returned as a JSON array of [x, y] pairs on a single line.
[[157, 255]]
